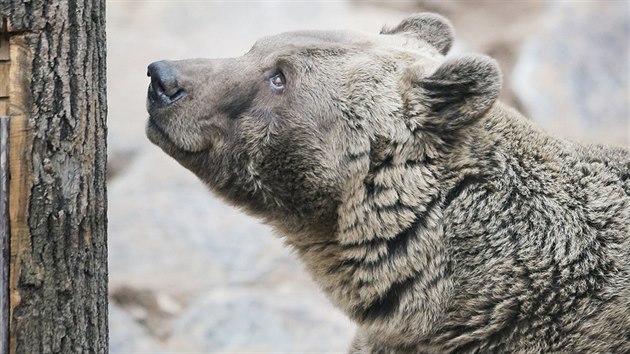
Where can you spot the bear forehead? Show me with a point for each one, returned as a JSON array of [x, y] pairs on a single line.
[[342, 39]]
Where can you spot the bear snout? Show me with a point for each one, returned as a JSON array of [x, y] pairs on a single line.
[[164, 89]]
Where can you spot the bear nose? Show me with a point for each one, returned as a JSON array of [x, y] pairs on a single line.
[[164, 89]]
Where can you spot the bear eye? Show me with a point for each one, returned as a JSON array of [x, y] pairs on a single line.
[[277, 82]]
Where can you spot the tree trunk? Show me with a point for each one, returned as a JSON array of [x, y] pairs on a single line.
[[57, 195]]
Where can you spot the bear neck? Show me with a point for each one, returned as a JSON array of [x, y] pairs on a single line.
[[389, 261], [388, 252]]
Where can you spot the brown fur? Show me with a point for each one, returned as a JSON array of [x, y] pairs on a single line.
[[438, 219]]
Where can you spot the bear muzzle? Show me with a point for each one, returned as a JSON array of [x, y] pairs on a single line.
[[164, 89]]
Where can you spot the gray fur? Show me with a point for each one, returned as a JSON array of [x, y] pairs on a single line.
[[438, 219]]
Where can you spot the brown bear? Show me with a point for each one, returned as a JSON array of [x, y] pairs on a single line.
[[438, 219]]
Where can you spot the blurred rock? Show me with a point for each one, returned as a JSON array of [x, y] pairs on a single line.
[[572, 75], [127, 336], [171, 233], [233, 320], [154, 310]]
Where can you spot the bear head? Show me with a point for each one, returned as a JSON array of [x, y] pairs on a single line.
[[299, 126]]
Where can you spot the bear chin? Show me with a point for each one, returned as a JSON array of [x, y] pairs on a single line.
[[158, 136]]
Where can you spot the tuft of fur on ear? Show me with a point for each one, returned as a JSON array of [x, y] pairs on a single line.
[[460, 91], [431, 28]]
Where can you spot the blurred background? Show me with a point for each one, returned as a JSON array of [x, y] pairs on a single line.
[[191, 274]]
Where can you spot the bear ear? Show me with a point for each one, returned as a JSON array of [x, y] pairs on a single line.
[[461, 90], [431, 28]]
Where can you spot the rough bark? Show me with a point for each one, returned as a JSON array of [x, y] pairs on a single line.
[[57, 190]]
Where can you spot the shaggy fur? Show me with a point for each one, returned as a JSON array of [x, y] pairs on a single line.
[[438, 219]]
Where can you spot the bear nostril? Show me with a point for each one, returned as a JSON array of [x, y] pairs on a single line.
[[158, 87], [161, 87], [164, 89]]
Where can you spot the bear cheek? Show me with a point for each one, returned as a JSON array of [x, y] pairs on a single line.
[[297, 176]]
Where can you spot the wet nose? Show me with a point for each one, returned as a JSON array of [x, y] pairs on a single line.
[[164, 89]]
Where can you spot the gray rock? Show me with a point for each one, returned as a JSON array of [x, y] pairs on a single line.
[[126, 335], [572, 75], [231, 320], [168, 232]]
